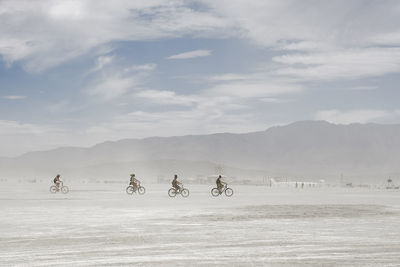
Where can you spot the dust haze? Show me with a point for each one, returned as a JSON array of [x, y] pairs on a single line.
[[308, 215]]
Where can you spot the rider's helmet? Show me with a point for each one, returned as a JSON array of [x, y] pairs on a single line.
[[132, 174], [220, 176], [58, 175], [175, 176]]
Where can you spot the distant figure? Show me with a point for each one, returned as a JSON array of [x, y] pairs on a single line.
[[57, 181], [302, 185], [296, 185], [176, 184], [134, 182], [220, 184]]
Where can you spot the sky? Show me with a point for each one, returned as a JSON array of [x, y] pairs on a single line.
[[76, 73]]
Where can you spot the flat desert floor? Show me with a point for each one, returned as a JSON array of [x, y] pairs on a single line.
[[100, 225]]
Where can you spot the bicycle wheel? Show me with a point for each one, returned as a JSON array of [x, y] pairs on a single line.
[[215, 192], [172, 192], [185, 192], [141, 190], [130, 190], [64, 189], [53, 189], [228, 192]]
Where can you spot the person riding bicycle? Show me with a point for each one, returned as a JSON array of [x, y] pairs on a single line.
[[134, 182], [57, 181], [220, 183], [176, 184]]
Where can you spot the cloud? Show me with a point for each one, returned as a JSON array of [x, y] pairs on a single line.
[[275, 100], [167, 98], [303, 46], [101, 62], [232, 77], [14, 127], [206, 114], [364, 87], [352, 116], [111, 87], [320, 41], [344, 64], [118, 81], [255, 89], [309, 24], [43, 34], [205, 118], [191, 54], [14, 97]]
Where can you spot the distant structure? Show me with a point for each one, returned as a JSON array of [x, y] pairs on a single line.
[[349, 185], [266, 181], [296, 184], [391, 185]]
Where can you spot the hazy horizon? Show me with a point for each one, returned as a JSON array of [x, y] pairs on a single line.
[[212, 133]]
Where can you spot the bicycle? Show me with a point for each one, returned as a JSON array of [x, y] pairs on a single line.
[[216, 192], [132, 189], [54, 189], [172, 192]]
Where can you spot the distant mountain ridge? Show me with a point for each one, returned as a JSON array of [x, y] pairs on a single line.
[[301, 148]]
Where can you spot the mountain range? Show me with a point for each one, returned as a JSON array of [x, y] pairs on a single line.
[[314, 149]]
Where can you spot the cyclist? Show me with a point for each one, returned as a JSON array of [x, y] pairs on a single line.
[[176, 184], [57, 181], [220, 183], [134, 182]]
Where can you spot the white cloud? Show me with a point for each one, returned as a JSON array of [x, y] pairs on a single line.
[[167, 98], [330, 41], [12, 127], [69, 10], [208, 117], [101, 62], [144, 67], [14, 97], [344, 64], [364, 87], [311, 24], [111, 87], [391, 38], [191, 54], [118, 81], [303, 46], [352, 116], [255, 89], [275, 100], [42, 34], [232, 77]]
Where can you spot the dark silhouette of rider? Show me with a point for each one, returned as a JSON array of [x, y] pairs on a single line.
[[220, 183], [176, 184], [57, 181], [134, 182]]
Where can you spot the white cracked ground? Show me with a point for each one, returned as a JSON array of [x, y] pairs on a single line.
[[100, 225]]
